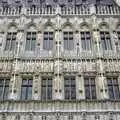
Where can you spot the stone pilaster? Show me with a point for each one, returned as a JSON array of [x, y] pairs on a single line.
[[80, 92], [58, 87], [101, 80], [101, 86], [77, 42], [15, 86], [36, 87]]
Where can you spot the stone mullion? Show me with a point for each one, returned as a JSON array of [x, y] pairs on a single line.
[[14, 86], [80, 90], [35, 92], [77, 42]]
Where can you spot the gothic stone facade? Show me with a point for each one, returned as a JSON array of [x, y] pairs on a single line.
[[59, 60]]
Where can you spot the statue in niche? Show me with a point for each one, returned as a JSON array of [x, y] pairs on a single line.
[[3, 116], [19, 36], [22, 22], [1, 37], [115, 37], [17, 117], [39, 37]]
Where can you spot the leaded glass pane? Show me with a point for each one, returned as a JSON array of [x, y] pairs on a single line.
[[70, 88], [90, 88], [113, 88], [46, 88]]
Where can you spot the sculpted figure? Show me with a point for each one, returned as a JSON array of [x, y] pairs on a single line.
[[115, 37]]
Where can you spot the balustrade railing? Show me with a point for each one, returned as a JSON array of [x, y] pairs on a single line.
[[73, 10]]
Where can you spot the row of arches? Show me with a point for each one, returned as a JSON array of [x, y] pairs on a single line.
[[67, 25]]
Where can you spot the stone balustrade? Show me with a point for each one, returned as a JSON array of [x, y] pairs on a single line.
[[81, 10]]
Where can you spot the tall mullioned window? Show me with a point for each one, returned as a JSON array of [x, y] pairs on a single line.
[[4, 88], [26, 89], [46, 88], [30, 41], [70, 88], [48, 40], [105, 40], [11, 41], [68, 40], [90, 88], [86, 40], [113, 88]]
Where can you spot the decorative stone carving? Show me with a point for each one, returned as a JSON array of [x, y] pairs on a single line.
[[3, 116], [17, 117], [1, 38]]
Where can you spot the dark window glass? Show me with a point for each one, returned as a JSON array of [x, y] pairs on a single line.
[[46, 89], [26, 89], [11, 41], [48, 40], [4, 89], [105, 40], [70, 88], [90, 88], [30, 41], [86, 40], [113, 88], [68, 40]]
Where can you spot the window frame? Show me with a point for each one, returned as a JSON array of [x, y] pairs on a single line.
[[86, 39], [69, 38], [29, 47], [49, 44], [90, 87], [48, 85], [69, 86], [106, 38], [9, 46], [27, 86], [4, 86], [113, 86]]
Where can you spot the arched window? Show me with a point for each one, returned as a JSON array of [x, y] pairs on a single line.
[[85, 37], [30, 38], [48, 37], [11, 38], [105, 37], [68, 38]]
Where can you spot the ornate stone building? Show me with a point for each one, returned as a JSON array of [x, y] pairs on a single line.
[[59, 60]]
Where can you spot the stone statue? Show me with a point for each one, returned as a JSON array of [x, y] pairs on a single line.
[[1, 37], [20, 36], [115, 37]]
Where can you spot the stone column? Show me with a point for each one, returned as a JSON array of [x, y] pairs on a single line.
[[39, 41], [15, 84], [101, 87], [20, 40], [1, 39], [58, 87], [101, 80], [77, 42], [36, 86], [80, 91], [58, 80]]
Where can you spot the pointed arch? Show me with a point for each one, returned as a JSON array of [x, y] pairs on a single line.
[[31, 26], [84, 26], [48, 25], [118, 26], [104, 26], [67, 25], [12, 27], [13, 24]]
